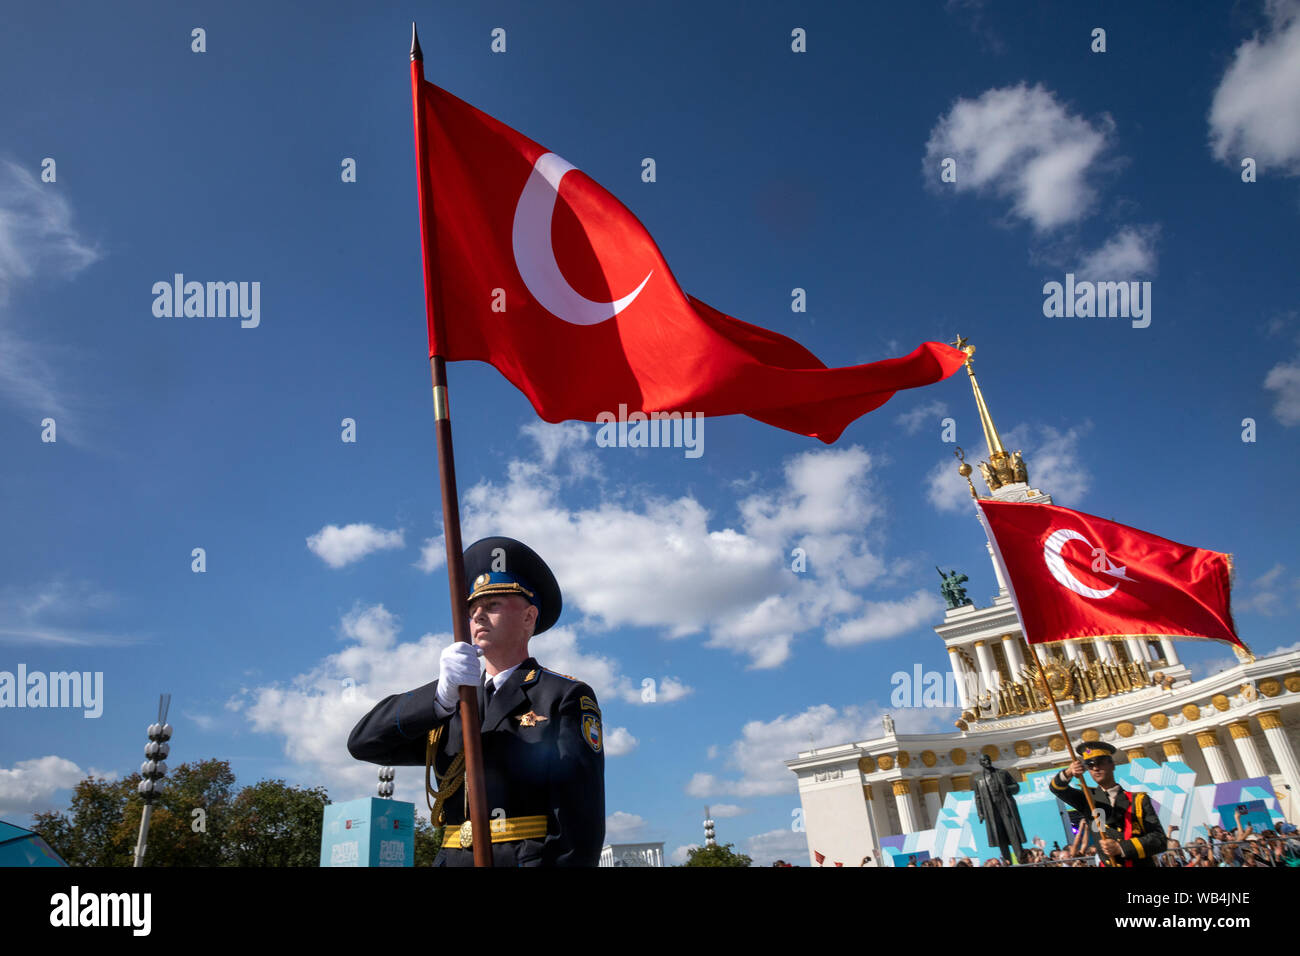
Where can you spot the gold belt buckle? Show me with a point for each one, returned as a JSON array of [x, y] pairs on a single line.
[[466, 835]]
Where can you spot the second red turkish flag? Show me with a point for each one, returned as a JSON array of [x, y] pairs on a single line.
[[1077, 575], [546, 276]]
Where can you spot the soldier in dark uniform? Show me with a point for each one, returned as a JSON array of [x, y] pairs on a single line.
[[1133, 834], [543, 753]]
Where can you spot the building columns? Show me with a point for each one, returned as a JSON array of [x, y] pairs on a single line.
[[1275, 734], [1246, 749], [1015, 660], [989, 673], [880, 806], [1171, 655], [963, 681], [903, 798], [1136, 650], [1072, 650], [1173, 749], [1209, 744], [933, 803], [997, 569], [1135, 753]]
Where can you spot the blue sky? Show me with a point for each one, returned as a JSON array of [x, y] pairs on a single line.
[[775, 170]]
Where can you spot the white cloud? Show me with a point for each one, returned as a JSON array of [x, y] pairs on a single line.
[[666, 690], [1125, 256], [680, 855], [757, 758], [567, 443], [734, 586], [30, 785], [1256, 108], [946, 489], [766, 848], [926, 413], [618, 742], [339, 547], [1055, 464], [1019, 143], [1052, 455], [724, 811], [881, 620], [433, 554], [621, 827], [1284, 380], [759, 755]]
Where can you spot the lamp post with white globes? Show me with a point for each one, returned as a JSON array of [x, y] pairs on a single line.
[[386, 775], [153, 770]]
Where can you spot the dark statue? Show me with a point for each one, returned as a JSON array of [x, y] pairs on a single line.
[[951, 589], [995, 804]]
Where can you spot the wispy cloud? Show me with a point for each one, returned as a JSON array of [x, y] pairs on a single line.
[[51, 613], [927, 413], [37, 241], [1128, 254], [1283, 380]]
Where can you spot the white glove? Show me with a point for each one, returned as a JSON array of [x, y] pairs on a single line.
[[458, 665]]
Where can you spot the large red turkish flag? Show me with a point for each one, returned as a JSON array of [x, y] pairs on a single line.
[[1076, 575], [592, 316]]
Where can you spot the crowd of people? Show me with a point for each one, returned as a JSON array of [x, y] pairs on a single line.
[[1240, 846]]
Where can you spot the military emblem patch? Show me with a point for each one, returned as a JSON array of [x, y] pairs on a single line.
[[530, 719], [481, 580], [586, 703], [591, 731]]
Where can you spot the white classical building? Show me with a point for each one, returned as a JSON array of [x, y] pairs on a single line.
[[632, 854], [1131, 692]]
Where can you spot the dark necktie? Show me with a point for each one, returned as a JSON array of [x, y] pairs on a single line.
[[488, 690]]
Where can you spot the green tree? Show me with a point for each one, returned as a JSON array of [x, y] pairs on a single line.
[[716, 856], [266, 824], [428, 841], [177, 835], [92, 832], [274, 824]]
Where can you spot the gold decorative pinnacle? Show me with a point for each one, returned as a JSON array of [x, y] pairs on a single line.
[[1002, 468]]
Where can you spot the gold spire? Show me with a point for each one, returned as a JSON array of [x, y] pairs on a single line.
[[1001, 468]]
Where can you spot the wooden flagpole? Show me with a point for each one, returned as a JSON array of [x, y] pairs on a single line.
[[476, 788]]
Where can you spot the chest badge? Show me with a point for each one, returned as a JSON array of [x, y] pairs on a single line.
[[530, 719]]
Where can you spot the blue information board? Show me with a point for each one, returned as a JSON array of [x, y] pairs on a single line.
[[371, 831]]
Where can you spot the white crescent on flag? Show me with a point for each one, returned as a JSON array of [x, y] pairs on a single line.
[[535, 254], [1056, 565]]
